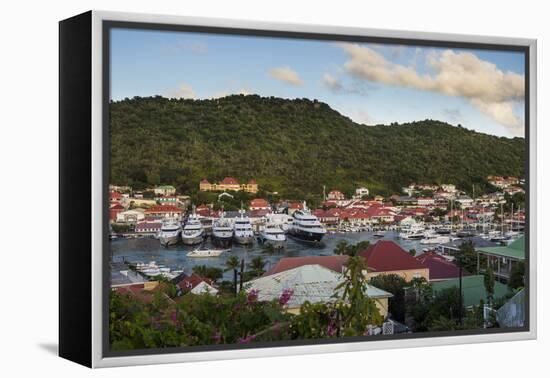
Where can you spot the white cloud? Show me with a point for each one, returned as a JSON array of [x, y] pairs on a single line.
[[285, 74], [461, 74], [184, 91], [332, 82]]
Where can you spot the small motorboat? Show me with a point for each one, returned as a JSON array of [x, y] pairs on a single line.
[[206, 252]]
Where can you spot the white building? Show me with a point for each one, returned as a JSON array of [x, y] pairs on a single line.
[[131, 216], [361, 192]]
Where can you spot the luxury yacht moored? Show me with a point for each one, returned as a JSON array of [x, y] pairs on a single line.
[[170, 232], [306, 226]]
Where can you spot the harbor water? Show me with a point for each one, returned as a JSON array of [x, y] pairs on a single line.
[[175, 257]]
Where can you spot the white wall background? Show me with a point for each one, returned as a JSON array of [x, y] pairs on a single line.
[[28, 158]]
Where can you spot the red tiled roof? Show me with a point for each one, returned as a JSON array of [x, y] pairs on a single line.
[[251, 182], [163, 209], [319, 213], [259, 202], [115, 195], [230, 181], [204, 181], [440, 268], [386, 256], [296, 205], [188, 283], [335, 263], [117, 206]]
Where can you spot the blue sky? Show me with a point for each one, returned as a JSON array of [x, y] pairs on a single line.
[[370, 83]]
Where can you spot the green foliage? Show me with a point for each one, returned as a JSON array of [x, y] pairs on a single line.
[[256, 266], [517, 276], [349, 315], [167, 141], [210, 272], [344, 248], [396, 285], [466, 257], [120, 228], [489, 283]]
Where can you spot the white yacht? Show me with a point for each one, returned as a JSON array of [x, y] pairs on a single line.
[[193, 231], [242, 229], [222, 231], [206, 252], [273, 234], [415, 232], [170, 232], [434, 238], [306, 226]]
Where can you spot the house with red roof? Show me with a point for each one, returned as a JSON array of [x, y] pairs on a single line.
[[335, 195], [440, 267], [259, 204], [228, 183], [115, 197], [293, 206], [336, 263], [195, 284], [388, 257], [114, 210]]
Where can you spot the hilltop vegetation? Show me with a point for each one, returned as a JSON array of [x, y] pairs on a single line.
[[294, 147]]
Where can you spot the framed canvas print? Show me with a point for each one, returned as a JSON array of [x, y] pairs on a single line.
[[235, 189]]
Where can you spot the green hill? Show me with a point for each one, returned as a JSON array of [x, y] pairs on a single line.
[[294, 147]]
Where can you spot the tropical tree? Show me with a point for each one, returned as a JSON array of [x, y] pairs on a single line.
[[489, 283], [396, 285], [232, 263], [208, 272], [517, 276], [256, 265]]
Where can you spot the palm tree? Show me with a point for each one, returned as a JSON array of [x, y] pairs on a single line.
[[232, 263], [256, 265]]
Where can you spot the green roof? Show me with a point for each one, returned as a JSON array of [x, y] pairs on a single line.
[[516, 250], [473, 289]]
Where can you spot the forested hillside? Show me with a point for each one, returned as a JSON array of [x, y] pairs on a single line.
[[294, 147]]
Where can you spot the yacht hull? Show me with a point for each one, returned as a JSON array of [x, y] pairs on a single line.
[[244, 239], [192, 240], [306, 236], [169, 240]]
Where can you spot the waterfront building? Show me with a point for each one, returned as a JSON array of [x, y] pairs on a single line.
[[387, 257], [259, 204], [114, 210], [502, 259], [131, 216], [148, 227], [164, 211]]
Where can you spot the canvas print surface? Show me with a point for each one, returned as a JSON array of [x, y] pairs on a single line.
[[278, 191]]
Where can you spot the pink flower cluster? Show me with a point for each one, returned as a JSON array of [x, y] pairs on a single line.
[[252, 296], [247, 339], [285, 296]]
